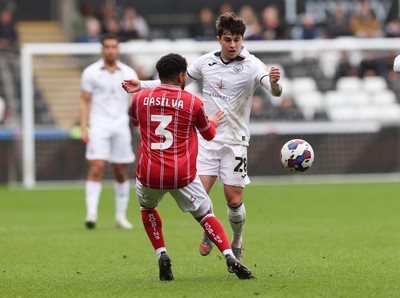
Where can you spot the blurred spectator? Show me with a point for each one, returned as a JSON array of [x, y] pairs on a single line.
[[369, 65], [253, 26], [8, 34], [205, 28], [82, 13], [111, 25], [373, 65], [258, 109], [288, 110], [106, 12], [365, 23], [344, 67], [93, 31], [392, 28], [133, 25], [308, 28], [386, 70], [338, 22], [272, 26], [225, 7]]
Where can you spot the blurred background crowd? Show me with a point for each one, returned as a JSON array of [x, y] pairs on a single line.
[[266, 21]]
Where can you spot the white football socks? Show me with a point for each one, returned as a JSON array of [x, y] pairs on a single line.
[[92, 197], [237, 218], [121, 199]]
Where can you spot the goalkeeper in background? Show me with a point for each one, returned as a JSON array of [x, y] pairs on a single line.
[[104, 109]]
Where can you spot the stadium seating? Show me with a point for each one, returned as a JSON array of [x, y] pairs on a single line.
[[349, 84], [303, 84], [374, 84], [310, 102]]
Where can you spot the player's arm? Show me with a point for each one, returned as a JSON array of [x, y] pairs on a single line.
[[274, 77], [132, 111], [269, 79], [396, 64], [207, 125], [84, 115], [134, 85]]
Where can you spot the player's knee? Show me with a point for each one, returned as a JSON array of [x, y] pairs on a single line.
[[235, 205], [147, 204], [96, 172], [203, 209]]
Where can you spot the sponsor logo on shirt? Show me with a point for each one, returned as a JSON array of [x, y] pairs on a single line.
[[238, 67], [221, 86]]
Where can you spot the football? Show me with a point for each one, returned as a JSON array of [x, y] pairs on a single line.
[[297, 156]]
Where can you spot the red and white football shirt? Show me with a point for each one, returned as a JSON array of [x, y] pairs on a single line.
[[168, 117]]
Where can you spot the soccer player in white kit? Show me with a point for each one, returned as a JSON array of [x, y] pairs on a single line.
[[104, 121], [230, 76], [169, 119]]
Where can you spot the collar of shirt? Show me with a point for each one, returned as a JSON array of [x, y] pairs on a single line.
[[172, 87], [243, 54], [103, 65]]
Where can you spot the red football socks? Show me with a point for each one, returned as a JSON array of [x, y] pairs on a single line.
[[215, 232], [153, 225]]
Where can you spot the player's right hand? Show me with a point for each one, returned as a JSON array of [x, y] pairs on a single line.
[[131, 86], [84, 136], [218, 117]]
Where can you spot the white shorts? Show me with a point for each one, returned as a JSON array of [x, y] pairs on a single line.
[[192, 198], [227, 162], [112, 145]]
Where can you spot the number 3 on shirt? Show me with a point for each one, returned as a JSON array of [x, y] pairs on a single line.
[[161, 131]]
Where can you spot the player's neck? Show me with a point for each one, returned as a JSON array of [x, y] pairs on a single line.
[[110, 66]]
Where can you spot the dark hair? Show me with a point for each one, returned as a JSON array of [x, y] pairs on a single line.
[[229, 22], [108, 36], [171, 65]]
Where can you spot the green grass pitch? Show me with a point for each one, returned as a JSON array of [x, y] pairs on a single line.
[[314, 240]]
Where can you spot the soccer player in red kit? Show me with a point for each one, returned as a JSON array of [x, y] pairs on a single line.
[[168, 118], [229, 76]]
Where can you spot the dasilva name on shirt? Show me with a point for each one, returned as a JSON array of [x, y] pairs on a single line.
[[163, 101]]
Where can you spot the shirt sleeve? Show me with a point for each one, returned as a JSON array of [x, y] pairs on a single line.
[[149, 84], [86, 82], [132, 111], [206, 128], [194, 70], [262, 74]]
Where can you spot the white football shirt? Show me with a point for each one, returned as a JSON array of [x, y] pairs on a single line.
[[230, 87], [109, 103]]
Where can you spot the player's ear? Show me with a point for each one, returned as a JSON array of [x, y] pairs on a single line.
[[181, 77]]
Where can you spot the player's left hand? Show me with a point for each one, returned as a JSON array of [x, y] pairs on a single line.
[[274, 74], [218, 117]]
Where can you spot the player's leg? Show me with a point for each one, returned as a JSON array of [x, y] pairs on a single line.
[[121, 155], [121, 188], [206, 244], [216, 233], [93, 190], [152, 223], [97, 153], [208, 182], [207, 168], [236, 217], [194, 199], [233, 175]]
